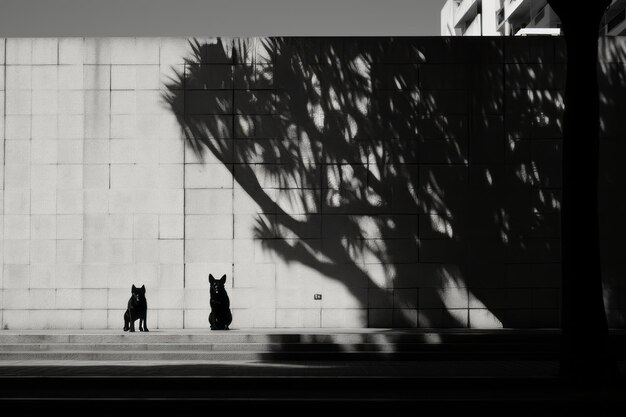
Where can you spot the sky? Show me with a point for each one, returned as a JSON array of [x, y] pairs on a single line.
[[54, 18]]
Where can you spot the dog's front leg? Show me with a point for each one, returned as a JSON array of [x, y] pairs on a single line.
[[132, 320], [145, 323]]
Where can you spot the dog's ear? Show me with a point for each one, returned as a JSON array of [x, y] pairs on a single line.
[[211, 279], [143, 289], [134, 288], [223, 279]]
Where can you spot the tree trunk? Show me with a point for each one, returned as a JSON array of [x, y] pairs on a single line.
[[585, 351]]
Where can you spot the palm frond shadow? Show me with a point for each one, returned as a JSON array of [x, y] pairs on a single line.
[[390, 164]]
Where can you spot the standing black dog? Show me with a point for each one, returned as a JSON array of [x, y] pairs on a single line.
[[137, 309], [220, 317]]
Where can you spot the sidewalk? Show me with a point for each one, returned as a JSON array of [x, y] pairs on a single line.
[[449, 344], [442, 375]]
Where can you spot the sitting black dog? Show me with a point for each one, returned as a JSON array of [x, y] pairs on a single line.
[[137, 309], [220, 317]]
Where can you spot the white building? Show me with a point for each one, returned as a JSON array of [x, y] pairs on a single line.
[[516, 17], [498, 17]]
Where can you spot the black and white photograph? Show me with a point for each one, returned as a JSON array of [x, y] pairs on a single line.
[[290, 207]]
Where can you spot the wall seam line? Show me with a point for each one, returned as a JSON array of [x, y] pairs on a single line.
[[4, 153]]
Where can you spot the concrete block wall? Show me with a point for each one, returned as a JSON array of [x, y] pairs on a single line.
[[95, 192], [102, 188]]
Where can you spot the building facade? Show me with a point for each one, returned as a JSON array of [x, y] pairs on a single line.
[[498, 18], [517, 18]]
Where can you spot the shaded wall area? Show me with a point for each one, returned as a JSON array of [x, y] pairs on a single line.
[[417, 177]]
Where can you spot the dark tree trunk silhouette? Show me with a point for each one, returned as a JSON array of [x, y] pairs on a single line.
[[585, 351]]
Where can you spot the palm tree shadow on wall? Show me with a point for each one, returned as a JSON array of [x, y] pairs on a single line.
[[423, 174]]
